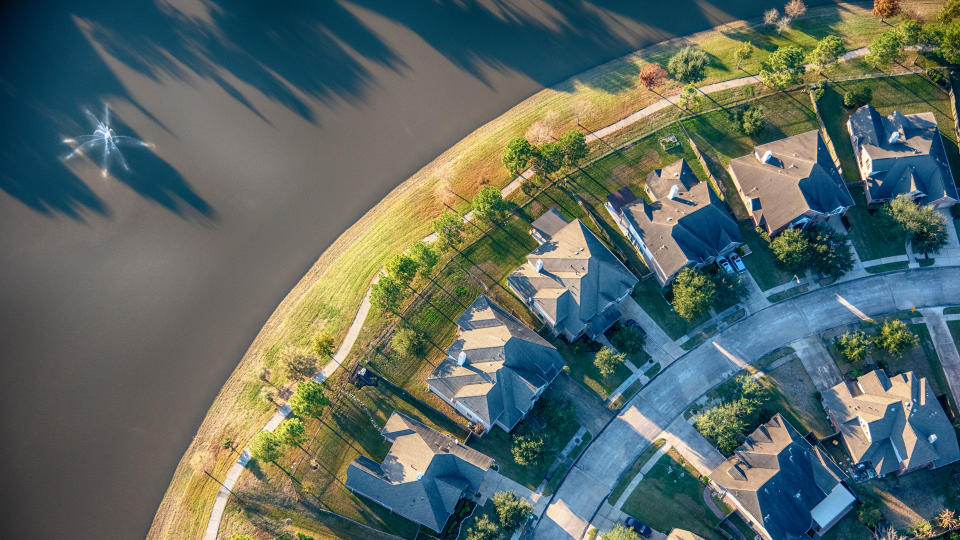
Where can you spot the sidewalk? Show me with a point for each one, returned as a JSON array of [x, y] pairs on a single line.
[[946, 348]]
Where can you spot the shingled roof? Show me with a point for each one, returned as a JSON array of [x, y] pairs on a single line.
[[799, 177], [423, 475], [783, 482], [506, 365], [579, 278], [914, 162], [693, 227], [892, 423]]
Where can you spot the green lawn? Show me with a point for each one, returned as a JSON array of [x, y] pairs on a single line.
[[760, 261], [579, 356], [796, 398], [952, 310], [866, 235], [849, 528], [486, 510], [634, 469], [630, 391], [887, 267], [954, 327], [670, 496], [789, 293]]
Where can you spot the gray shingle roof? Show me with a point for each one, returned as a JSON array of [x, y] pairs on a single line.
[[580, 276], [915, 162], [691, 228], [507, 363], [423, 475], [800, 177], [900, 413], [779, 478]]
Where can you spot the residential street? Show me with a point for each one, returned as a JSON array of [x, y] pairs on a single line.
[[653, 409]]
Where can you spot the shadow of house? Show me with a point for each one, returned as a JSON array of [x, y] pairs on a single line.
[[423, 476]]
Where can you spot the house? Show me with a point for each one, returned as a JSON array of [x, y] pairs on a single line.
[[422, 477], [891, 424], [784, 485], [571, 280], [901, 154], [790, 183], [685, 225], [496, 368]]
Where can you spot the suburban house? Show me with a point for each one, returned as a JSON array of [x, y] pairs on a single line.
[[901, 154], [784, 485], [790, 183], [891, 424], [571, 281], [423, 476], [684, 225], [496, 368]]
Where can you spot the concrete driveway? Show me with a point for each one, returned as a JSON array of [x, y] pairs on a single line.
[[818, 362], [655, 407]]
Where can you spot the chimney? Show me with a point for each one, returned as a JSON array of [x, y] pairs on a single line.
[[539, 265], [932, 438], [461, 358], [894, 137], [767, 156], [673, 192]]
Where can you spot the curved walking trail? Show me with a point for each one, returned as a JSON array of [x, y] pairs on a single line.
[[233, 474], [671, 392]]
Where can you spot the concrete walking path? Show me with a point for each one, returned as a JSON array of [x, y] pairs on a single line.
[[946, 348]]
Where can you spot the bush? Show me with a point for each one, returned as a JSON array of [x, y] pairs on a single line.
[[528, 448], [512, 511], [869, 513], [751, 120], [818, 90], [409, 343], [857, 97], [895, 338], [606, 361], [853, 346], [939, 76]]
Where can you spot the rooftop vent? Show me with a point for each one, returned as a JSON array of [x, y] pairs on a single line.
[[932, 438], [673, 192], [894, 137], [461, 358], [539, 265], [767, 157], [419, 475]]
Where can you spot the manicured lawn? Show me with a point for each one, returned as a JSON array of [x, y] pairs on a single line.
[[796, 398], [486, 510], [628, 394], [634, 469], [954, 327], [760, 261], [671, 495], [579, 356], [650, 297], [952, 310], [887, 267], [912, 497], [791, 292], [866, 234], [849, 528]]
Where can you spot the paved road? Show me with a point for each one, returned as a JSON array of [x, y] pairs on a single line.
[[671, 392]]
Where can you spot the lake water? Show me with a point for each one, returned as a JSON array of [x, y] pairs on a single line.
[[126, 301]]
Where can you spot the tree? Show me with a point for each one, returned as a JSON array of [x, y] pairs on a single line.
[[606, 361], [241, 537], [724, 424], [885, 8], [689, 98], [483, 529], [909, 32], [946, 519], [291, 432], [949, 11], [869, 513], [528, 448], [619, 532], [574, 145], [925, 227], [409, 343], [688, 65], [449, 229], [517, 155], [297, 365], [627, 338], [388, 292], [308, 400], [531, 186], [949, 43], [488, 204], [266, 447], [425, 255], [853, 346], [791, 250], [752, 120], [857, 96], [827, 51], [652, 75], [829, 251], [512, 511], [771, 16], [895, 337], [730, 288], [783, 67], [743, 52], [693, 293], [402, 268], [323, 346], [549, 159], [884, 49], [794, 8]]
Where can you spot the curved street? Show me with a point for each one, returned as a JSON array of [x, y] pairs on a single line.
[[673, 390]]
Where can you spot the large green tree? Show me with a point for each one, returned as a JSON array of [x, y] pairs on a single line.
[[484, 529], [829, 251], [388, 293], [402, 267], [518, 155], [606, 361], [694, 293], [688, 65], [308, 400], [449, 229], [791, 250], [949, 42], [409, 343], [266, 447], [925, 227], [488, 204], [884, 49], [425, 255], [853, 346], [895, 337], [549, 159], [291, 432], [512, 511], [323, 346], [528, 448], [574, 145], [783, 67], [827, 52]]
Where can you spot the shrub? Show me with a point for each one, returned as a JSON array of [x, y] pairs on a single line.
[[939, 76], [895, 338], [857, 97], [606, 361], [688, 65], [528, 448], [853, 346], [409, 343], [751, 120], [818, 90], [628, 339], [512, 511]]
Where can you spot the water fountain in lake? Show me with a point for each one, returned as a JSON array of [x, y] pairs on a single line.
[[104, 142]]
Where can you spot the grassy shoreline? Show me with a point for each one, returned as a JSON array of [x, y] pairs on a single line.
[[328, 295]]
